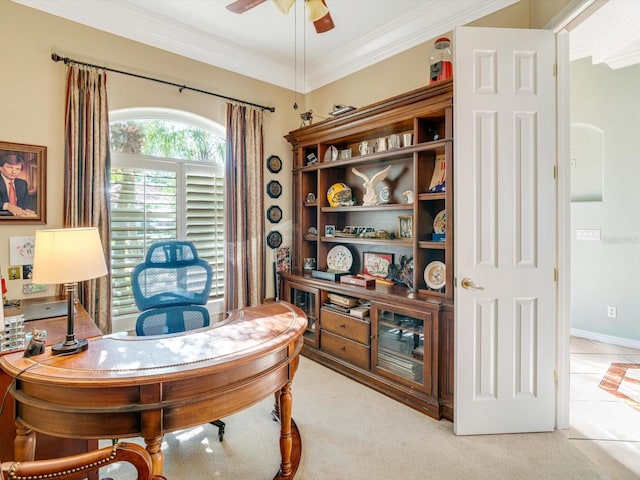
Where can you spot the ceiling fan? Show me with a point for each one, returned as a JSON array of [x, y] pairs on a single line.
[[318, 11]]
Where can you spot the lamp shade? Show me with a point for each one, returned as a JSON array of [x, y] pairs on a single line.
[[68, 255]]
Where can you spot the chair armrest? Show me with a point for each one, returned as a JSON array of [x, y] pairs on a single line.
[[78, 466]]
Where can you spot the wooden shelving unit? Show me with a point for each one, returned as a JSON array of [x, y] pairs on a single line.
[[417, 376]]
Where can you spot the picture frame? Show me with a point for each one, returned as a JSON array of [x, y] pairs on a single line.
[[376, 264], [26, 165], [329, 230], [405, 226]]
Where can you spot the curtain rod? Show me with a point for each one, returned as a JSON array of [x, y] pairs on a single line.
[[56, 58]]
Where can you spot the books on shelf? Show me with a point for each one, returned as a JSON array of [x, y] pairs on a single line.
[[359, 312]]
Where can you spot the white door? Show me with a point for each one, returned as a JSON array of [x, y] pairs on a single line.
[[505, 211]]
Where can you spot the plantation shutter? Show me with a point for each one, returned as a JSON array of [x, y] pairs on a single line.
[[204, 223], [143, 211]]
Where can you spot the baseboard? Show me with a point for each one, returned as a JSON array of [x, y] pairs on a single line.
[[601, 337]]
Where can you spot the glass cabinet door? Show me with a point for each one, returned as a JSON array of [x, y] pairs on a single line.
[[404, 347], [306, 299]]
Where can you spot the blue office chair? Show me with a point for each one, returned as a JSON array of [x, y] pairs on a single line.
[[164, 320], [171, 274], [169, 288]]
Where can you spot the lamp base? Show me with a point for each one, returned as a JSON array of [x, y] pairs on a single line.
[[70, 347]]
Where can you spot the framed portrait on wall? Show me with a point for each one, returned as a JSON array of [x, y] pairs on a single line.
[[22, 183]]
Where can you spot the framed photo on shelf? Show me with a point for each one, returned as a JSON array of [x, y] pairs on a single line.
[[376, 264], [405, 226], [23, 183], [329, 230]]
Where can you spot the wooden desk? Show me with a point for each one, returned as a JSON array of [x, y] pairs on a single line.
[[48, 446], [125, 386]]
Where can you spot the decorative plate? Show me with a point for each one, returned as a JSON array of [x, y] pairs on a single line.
[[274, 164], [274, 239], [331, 154], [435, 275], [274, 214], [440, 222], [339, 259], [274, 189]]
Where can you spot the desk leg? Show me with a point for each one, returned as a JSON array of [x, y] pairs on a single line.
[[284, 404], [24, 445], [154, 447]]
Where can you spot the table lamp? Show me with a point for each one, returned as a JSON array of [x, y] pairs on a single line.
[[68, 256]]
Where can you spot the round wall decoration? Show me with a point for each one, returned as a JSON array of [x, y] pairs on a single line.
[[274, 189], [274, 239], [274, 214], [274, 164]]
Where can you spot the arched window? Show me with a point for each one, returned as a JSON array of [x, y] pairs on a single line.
[[167, 182]]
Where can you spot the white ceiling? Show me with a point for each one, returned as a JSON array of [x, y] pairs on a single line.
[[265, 44], [611, 35]]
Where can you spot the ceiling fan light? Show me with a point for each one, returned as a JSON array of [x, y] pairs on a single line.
[[284, 5], [317, 9]]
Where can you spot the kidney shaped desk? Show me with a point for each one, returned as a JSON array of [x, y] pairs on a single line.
[[125, 386]]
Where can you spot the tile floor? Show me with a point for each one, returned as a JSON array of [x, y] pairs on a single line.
[[605, 415]]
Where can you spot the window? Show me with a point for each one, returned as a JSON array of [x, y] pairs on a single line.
[[167, 182]]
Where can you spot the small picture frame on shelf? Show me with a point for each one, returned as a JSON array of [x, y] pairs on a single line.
[[405, 226], [329, 230], [311, 197], [344, 154], [376, 264]]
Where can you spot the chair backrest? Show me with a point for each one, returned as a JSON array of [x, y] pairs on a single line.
[[178, 318], [172, 274]]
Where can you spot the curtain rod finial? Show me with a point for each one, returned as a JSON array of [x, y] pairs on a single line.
[[55, 57]]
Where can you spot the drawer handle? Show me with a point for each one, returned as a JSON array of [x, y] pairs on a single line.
[[343, 349], [342, 325]]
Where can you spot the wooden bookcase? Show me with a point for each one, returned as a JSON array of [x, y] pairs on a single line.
[[404, 347]]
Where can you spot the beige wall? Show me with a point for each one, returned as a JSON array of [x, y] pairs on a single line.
[[32, 89], [32, 93], [410, 69]]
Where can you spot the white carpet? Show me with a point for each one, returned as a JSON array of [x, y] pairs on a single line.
[[352, 432]]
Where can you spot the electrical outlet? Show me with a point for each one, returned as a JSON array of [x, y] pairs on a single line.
[[587, 234], [612, 312]]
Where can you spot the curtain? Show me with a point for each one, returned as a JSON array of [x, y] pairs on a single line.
[[244, 272], [86, 182]]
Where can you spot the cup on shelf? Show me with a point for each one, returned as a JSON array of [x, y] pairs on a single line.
[[364, 148], [381, 144], [394, 141], [407, 139]]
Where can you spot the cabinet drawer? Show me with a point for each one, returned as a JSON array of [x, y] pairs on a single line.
[[345, 326], [345, 349]]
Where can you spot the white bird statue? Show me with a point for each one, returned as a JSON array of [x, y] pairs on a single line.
[[370, 197]]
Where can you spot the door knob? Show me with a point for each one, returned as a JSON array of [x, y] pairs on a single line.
[[468, 283]]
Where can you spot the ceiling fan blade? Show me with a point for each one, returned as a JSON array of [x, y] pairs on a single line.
[[324, 24], [319, 15], [284, 5], [241, 6]]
